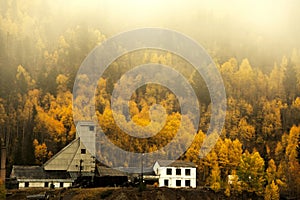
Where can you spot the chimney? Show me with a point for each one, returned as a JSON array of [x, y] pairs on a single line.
[[3, 162]]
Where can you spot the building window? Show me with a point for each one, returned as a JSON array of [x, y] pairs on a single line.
[[92, 128], [187, 183], [46, 184], [178, 183], [169, 171], [26, 184], [83, 151], [61, 184], [187, 172], [166, 182], [178, 171]]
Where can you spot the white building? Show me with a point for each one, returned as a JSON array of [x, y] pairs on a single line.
[[175, 174], [64, 167]]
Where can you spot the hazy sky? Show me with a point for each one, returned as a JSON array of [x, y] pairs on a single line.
[[262, 14]]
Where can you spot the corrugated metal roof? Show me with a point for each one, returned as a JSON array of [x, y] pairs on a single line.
[[75, 175], [37, 172], [177, 163], [136, 170], [106, 171], [77, 140]]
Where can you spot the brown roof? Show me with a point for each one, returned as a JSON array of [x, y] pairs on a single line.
[[177, 163], [106, 171]]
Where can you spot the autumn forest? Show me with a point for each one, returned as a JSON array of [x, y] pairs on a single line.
[[42, 45]]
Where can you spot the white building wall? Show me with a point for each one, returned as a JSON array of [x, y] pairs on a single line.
[[162, 172], [56, 184], [88, 161], [31, 184], [67, 184], [69, 158], [36, 184], [87, 132], [155, 168], [41, 183], [21, 184]]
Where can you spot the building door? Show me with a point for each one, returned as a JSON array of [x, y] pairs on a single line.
[[166, 182], [187, 183]]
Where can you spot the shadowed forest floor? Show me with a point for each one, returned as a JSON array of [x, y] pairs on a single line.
[[129, 194]]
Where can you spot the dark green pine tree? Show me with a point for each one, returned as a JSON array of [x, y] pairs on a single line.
[[290, 82]]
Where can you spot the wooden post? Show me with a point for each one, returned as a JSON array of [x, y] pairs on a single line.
[[3, 162]]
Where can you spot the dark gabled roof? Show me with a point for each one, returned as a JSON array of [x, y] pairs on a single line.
[[87, 122], [177, 163], [136, 170], [37, 172], [75, 175], [106, 171]]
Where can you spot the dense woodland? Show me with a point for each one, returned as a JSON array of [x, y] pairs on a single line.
[[38, 65]]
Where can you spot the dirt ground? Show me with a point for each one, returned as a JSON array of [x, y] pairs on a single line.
[[150, 193]]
